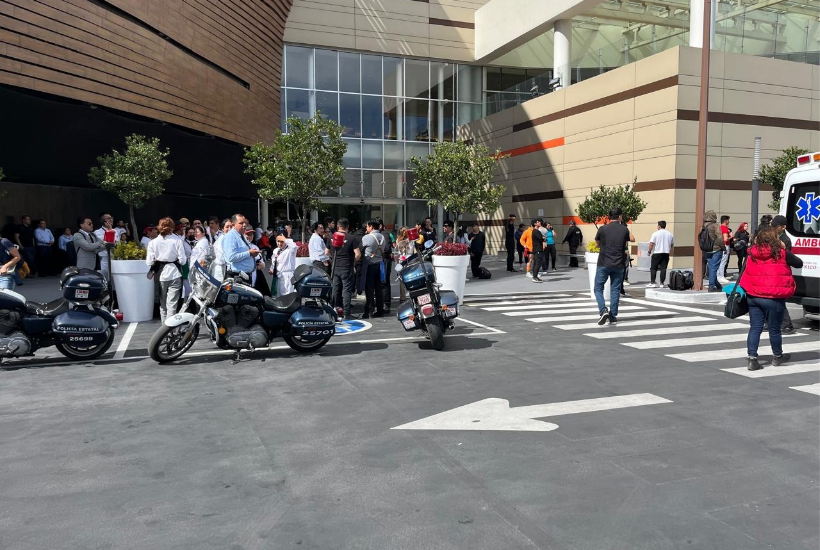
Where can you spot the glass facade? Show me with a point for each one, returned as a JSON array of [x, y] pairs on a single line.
[[390, 109]]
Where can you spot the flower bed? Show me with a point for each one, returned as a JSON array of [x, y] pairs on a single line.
[[452, 249]]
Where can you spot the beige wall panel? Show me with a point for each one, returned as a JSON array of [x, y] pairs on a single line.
[[539, 134], [775, 90], [541, 106], [531, 161], [497, 122], [773, 138], [594, 162], [661, 201], [452, 34], [322, 16], [767, 105], [295, 35], [654, 169], [603, 147], [654, 119], [738, 205], [608, 174], [657, 67], [736, 168], [395, 8], [616, 113], [452, 13], [688, 133], [689, 98], [392, 46], [814, 142], [603, 131], [617, 80], [326, 4], [660, 102], [416, 30], [503, 143], [689, 62], [764, 70], [453, 52], [686, 167]]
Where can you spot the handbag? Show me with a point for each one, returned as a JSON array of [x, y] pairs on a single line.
[[736, 304]]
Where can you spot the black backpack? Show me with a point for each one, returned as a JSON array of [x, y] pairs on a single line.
[[484, 273], [706, 243], [681, 280]]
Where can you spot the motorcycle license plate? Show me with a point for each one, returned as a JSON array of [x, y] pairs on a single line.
[[315, 292], [408, 323], [82, 294], [423, 299]]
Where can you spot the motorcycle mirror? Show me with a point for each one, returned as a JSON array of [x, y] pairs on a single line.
[[429, 244], [399, 267]]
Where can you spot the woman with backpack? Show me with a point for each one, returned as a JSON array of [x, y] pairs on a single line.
[[767, 280], [741, 242]]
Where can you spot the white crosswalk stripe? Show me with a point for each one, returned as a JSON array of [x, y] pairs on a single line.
[[544, 305], [627, 323], [590, 317], [811, 388], [560, 313], [766, 372], [736, 353], [680, 342], [470, 298], [605, 333], [559, 302]]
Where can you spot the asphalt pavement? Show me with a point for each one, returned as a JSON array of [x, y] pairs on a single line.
[[534, 428]]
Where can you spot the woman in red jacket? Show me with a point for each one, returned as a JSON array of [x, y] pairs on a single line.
[[768, 281]]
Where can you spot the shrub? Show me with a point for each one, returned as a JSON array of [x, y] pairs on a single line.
[[596, 206], [128, 251], [452, 249], [775, 173], [592, 246]]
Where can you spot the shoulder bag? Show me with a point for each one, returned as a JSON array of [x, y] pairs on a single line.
[[736, 303]]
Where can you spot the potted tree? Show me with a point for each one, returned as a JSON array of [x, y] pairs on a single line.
[[458, 177], [135, 176], [302, 254], [595, 209], [300, 165], [135, 291]]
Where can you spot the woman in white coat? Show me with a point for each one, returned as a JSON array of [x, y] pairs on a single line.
[[202, 251], [283, 263], [218, 265]]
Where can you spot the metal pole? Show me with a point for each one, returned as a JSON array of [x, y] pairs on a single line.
[[703, 125], [755, 186]]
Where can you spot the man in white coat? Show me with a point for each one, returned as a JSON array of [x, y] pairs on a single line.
[[283, 264]]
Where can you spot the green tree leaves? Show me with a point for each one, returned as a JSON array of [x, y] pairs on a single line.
[[595, 207], [775, 174], [301, 165], [457, 176]]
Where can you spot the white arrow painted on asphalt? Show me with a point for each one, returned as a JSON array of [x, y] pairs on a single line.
[[496, 414]]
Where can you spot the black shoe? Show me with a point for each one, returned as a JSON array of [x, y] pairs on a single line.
[[753, 364], [536, 280], [787, 330], [779, 360], [365, 316], [511, 270], [715, 289], [348, 317], [612, 320], [604, 317], [378, 314]]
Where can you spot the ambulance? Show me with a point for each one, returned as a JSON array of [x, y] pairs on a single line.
[[800, 203]]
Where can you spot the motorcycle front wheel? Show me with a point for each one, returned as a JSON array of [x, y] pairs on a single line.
[[304, 346], [436, 333], [81, 353], [167, 343]]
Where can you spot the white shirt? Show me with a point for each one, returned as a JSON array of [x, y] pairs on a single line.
[[166, 249], [316, 245], [201, 250], [100, 234], [120, 232], [218, 258], [285, 259], [664, 241], [144, 241], [43, 236], [258, 233]]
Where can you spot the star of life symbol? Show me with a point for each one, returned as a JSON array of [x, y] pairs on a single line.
[[808, 208]]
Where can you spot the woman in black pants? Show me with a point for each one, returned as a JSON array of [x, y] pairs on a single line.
[[741, 236]]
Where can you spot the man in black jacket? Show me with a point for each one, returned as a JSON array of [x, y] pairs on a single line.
[[509, 241], [779, 223], [538, 240], [573, 238], [477, 245]]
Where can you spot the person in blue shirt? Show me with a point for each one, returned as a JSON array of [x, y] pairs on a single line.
[[238, 255], [550, 251]]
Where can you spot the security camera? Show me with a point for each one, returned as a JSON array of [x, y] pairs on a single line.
[[554, 84]]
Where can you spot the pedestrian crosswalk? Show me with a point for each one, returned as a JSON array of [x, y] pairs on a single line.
[[680, 333]]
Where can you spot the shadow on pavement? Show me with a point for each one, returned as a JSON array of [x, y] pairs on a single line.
[[458, 343]]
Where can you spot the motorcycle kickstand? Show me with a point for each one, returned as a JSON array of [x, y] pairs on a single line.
[[237, 358]]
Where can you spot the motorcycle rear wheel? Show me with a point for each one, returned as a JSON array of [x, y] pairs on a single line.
[[166, 344], [303, 346], [436, 333], [85, 353]]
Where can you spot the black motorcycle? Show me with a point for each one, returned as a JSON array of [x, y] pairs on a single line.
[[78, 324], [429, 308], [237, 316]]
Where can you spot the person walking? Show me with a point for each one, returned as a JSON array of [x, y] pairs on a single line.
[[282, 266], [345, 258], [478, 243], [44, 240], [726, 235], [518, 246], [526, 242], [573, 239], [404, 249], [741, 243], [24, 237], [712, 247], [372, 243], [539, 239], [86, 245], [779, 225], [550, 252], [509, 241], [166, 255], [387, 258], [768, 281], [660, 246], [9, 258], [612, 239], [319, 254]]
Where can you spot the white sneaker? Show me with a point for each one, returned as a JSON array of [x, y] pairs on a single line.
[[723, 280], [626, 283], [529, 274], [651, 285]]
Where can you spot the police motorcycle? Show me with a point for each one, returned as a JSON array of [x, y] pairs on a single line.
[[428, 308], [78, 324], [238, 317]]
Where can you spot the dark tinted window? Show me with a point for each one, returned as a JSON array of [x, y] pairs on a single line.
[[803, 209]]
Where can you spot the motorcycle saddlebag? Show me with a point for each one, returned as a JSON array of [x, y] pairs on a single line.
[[83, 285], [310, 323], [315, 284], [450, 300], [80, 328], [405, 316]]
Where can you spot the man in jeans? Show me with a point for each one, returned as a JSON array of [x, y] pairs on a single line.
[[611, 239], [538, 240], [715, 256], [726, 235], [660, 246]]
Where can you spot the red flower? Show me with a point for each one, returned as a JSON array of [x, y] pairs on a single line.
[[452, 249], [302, 250]]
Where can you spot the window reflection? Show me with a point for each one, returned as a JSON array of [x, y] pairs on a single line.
[[416, 79], [393, 76], [416, 122], [372, 154], [442, 80], [349, 72], [393, 117], [371, 74], [298, 67], [372, 117], [328, 104], [299, 103], [326, 70], [349, 115]]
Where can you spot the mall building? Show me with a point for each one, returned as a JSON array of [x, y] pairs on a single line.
[[579, 93]]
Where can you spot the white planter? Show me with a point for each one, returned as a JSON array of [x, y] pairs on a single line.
[[451, 272], [135, 291], [303, 261], [592, 265]]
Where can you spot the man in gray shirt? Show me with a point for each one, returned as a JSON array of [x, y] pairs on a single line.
[[372, 244]]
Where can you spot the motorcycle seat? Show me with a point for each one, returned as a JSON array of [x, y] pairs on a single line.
[[49, 309], [288, 303]]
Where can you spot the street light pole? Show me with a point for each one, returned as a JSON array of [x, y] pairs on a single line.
[[703, 125]]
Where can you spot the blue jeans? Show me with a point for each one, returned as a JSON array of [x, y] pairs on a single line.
[[616, 278], [761, 309], [713, 260], [7, 282]]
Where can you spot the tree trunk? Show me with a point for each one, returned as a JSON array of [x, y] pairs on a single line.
[[134, 230]]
